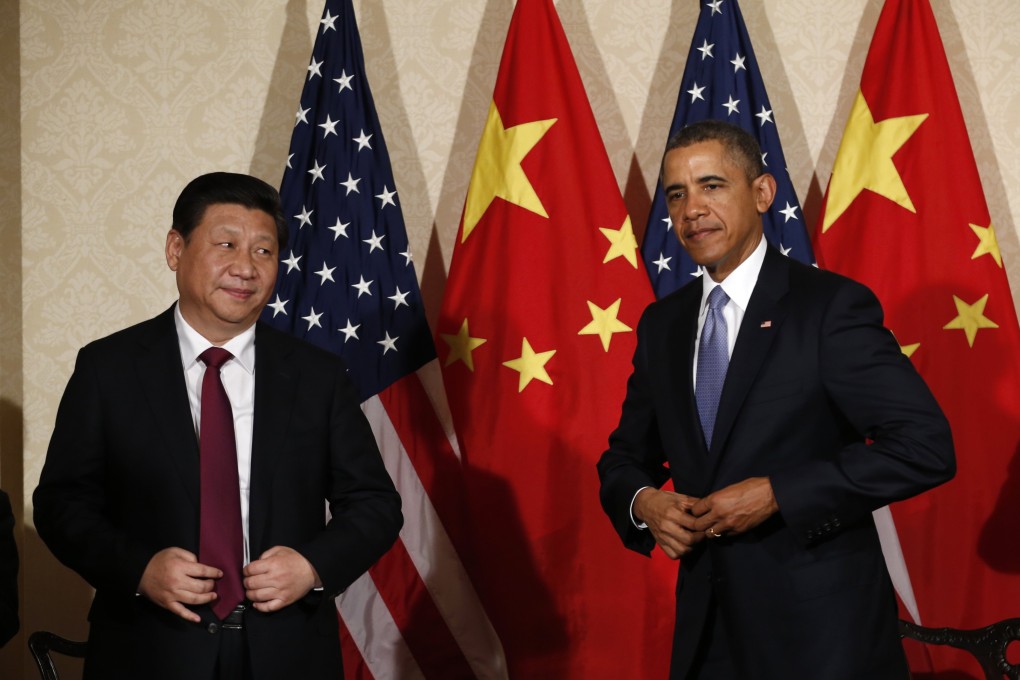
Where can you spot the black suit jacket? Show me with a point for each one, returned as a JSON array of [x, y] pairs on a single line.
[[813, 377], [121, 482], [9, 621]]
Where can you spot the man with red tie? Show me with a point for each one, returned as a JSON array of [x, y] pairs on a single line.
[[191, 462]]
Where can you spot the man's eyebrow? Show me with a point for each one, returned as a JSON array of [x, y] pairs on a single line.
[[707, 179]]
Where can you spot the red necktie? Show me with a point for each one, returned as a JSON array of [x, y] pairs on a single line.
[[221, 540]]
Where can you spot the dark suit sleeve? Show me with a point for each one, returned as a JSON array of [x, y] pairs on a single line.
[[72, 504], [365, 516], [635, 457], [880, 394], [8, 572]]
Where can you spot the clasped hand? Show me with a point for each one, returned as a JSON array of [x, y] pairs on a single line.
[[174, 579], [679, 522]]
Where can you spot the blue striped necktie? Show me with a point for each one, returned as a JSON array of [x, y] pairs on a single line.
[[713, 360]]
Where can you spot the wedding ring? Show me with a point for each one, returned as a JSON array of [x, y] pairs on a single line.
[[712, 533]]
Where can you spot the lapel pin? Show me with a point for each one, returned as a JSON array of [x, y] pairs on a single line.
[[766, 324]]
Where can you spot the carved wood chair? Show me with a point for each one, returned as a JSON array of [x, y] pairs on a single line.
[[42, 642], [988, 645]]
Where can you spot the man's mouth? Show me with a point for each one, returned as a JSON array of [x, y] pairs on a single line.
[[699, 233], [239, 293]]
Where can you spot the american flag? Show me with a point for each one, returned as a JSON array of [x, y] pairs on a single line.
[[722, 81], [347, 283]]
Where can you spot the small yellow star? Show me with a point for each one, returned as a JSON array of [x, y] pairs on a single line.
[[604, 322], [531, 365], [988, 244], [908, 350], [970, 318], [461, 346], [864, 160], [498, 170], [622, 243]]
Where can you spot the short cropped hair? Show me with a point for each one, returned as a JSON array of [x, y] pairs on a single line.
[[227, 188], [740, 145]]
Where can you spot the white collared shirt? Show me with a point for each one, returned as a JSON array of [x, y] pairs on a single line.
[[738, 286], [238, 377]]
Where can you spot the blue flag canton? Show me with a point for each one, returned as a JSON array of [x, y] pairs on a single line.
[[346, 282], [722, 81]]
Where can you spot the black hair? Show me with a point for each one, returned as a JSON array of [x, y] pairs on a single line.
[[739, 144], [227, 188]]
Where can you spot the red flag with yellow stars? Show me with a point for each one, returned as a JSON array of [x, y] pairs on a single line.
[[905, 214], [536, 335]]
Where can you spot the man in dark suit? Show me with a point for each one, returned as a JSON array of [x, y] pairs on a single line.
[[9, 620], [786, 414], [124, 500]]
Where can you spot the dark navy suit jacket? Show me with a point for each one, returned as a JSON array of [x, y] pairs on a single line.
[[819, 398]]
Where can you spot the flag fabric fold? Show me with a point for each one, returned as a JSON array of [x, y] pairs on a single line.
[[347, 283], [905, 214], [536, 335], [722, 81]]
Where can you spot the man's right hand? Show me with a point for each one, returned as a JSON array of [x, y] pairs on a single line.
[[174, 578], [668, 517]]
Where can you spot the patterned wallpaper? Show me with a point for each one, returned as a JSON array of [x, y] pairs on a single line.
[[123, 101]]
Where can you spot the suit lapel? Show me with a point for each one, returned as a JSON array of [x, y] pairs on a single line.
[[275, 385], [762, 321], [162, 377], [679, 351]]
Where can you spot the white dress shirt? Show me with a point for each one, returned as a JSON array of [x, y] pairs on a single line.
[[738, 286], [238, 378]]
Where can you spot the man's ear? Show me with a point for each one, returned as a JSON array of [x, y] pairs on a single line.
[[764, 191], [174, 247]]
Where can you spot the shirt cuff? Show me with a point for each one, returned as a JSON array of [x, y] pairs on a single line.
[[639, 525]]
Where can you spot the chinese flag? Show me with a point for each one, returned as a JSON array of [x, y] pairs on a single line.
[[536, 335], [905, 214]]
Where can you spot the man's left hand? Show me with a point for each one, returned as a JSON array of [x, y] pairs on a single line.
[[280, 577], [735, 509]]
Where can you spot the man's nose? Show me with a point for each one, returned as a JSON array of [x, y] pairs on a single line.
[[694, 208], [243, 264]]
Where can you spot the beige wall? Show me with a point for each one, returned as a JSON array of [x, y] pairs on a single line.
[[122, 101]]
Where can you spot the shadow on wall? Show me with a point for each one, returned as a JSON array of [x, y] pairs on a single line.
[[997, 542], [481, 79], [56, 599], [284, 93], [53, 597], [11, 302], [11, 476], [812, 200]]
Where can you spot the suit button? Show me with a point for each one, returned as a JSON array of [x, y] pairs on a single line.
[[213, 628]]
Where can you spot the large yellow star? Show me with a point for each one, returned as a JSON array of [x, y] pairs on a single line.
[[908, 350], [970, 318], [461, 346], [604, 323], [988, 244], [865, 160], [531, 365], [498, 170], [622, 243]]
